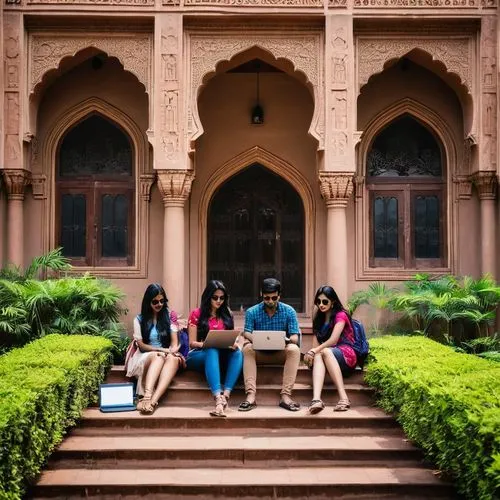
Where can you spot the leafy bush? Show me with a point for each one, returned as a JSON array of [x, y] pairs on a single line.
[[459, 307], [43, 388], [30, 308], [447, 402]]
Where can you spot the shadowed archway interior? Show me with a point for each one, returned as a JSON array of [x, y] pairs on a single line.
[[255, 231]]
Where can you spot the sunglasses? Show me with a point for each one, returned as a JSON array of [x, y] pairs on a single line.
[[325, 302], [268, 298], [218, 298], [155, 302]]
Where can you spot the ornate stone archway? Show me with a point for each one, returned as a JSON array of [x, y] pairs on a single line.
[[304, 50]]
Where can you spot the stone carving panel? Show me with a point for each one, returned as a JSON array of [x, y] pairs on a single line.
[[15, 181], [425, 4], [146, 183], [257, 3], [486, 184], [47, 51], [454, 53], [303, 50], [11, 100], [135, 3]]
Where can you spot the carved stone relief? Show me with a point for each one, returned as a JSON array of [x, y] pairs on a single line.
[[47, 51], [207, 50], [425, 4], [464, 187], [336, 187], [135, 3], [38, 185], [15, 181], [11, 100], [258, 3], [168, 126], [454, 53], [175, 186], [337, 3], [486, 183], [146, 182]]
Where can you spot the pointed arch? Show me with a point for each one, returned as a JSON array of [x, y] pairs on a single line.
[[284, 170]]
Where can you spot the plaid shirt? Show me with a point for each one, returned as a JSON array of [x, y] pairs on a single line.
[[284, 319]]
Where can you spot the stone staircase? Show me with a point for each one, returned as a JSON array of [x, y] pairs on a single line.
[[182, 452]]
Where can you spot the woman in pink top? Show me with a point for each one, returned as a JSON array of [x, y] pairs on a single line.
[[332, 348], [214, 314]]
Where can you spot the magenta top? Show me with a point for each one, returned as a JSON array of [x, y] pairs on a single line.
[[213, 323]]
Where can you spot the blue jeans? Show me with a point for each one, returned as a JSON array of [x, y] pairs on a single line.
[[210, 360]]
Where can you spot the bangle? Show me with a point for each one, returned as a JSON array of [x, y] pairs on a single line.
[[311, 352]]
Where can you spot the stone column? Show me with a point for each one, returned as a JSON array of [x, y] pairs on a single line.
[[336, 189], [486, 184], [175, 187], [15, 181]]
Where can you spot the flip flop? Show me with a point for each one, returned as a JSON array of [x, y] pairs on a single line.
[[292, 406], [247, 406]]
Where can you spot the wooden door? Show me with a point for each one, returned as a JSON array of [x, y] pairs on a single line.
[[255, 231]]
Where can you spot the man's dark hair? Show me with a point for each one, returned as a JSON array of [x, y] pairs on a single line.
[[270, 285]]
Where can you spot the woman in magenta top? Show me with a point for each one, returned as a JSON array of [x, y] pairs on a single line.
[[214, 314], [332, 349]]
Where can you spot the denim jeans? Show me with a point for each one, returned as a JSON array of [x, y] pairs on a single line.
[[211, 361]]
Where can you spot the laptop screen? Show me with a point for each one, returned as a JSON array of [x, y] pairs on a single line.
[[113, 395]]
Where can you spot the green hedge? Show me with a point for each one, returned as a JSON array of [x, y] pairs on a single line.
[[43, 388], [448, 403]]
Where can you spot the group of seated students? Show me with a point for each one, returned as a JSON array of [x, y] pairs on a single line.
[[157, 359]]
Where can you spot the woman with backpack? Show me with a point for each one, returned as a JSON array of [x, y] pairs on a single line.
[[332, 349], [156, 359], [214, 314]]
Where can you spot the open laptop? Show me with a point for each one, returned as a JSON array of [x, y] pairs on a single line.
[[268, 340], [116, 397], [221, 339]]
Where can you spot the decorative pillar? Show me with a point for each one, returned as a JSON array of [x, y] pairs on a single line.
[[175, 187], [336, 189], [15, 181], [486, 184]]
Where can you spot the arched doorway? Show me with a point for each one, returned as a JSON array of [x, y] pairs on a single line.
[[256, 230]]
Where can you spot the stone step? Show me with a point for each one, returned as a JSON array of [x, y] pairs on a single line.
[[197, 392], [262, 417], [221, 482], [236, 450], [266, 375]]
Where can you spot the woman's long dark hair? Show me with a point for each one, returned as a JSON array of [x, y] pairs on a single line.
[[163, 319], [319, 317], [223, 312]]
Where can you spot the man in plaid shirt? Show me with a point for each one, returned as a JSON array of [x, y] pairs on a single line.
[[271, 314]]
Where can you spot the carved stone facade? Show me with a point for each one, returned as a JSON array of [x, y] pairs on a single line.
[[336, 188], [16, 182], [486, 184]]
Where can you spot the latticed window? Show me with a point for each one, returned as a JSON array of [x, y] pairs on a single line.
[[95, 194], [406, 186]]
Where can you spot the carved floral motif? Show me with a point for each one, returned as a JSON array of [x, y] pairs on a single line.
[[47, 51], [454, 53], [175, 186], [336, 187], [38, 185], [425, 4]]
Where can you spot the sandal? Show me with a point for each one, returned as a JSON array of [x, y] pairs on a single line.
[[220, 400], [149, 407], [316, 406], [226, 401], [144, 401], [291, 406], [247, 406], [342, 405]]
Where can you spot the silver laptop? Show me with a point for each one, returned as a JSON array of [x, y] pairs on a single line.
[[268, 340], [221, 339]]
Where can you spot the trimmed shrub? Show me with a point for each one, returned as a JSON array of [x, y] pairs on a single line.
[[448, 403], [44, 386]]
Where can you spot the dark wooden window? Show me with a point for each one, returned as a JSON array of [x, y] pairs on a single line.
[[95, 200], [255, 231], [406, 186]]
